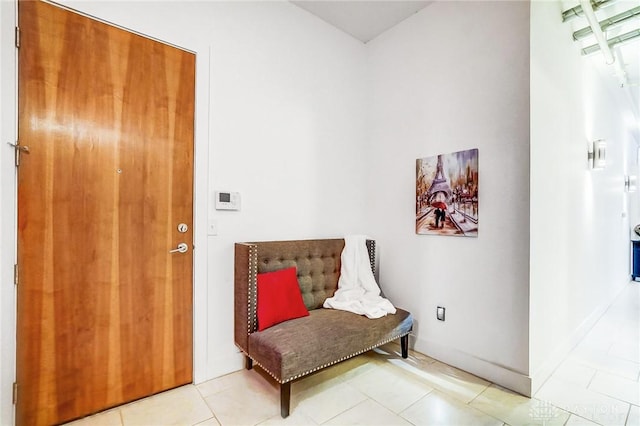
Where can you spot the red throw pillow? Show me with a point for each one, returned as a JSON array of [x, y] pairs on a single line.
[[279, 298]]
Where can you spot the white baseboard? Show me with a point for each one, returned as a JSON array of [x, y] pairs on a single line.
[[219, 366], [500, 375]]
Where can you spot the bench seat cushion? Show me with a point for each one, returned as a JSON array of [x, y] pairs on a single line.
[[300, 346]]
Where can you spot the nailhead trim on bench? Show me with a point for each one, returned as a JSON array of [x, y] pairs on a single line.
[[372, 254], [253, 276], [325, 365]]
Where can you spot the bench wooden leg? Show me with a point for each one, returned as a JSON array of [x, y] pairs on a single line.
[[285, 399], [404, 345], [248, 363]]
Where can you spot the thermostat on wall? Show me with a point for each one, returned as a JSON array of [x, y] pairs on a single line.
[[227, 200]]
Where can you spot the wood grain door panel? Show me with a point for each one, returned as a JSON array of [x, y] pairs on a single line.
[[104, 310]]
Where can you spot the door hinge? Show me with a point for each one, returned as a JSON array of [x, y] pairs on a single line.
[[18, 149], [15, 393], [18, 37], [15, 274]]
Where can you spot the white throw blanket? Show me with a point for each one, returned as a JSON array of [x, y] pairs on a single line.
[[358, 291]]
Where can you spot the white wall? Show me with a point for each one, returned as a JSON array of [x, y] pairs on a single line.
[[579, 228], [455, 76], [317, 131], [279, 118], [7, 212]]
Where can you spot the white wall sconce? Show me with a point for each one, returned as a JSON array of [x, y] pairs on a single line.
[[630, 183], [597, 154]]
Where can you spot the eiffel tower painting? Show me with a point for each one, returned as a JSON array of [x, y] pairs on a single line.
[[447, 194]]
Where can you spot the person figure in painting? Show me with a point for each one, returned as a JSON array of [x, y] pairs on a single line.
[[443, 216], [438, 212]]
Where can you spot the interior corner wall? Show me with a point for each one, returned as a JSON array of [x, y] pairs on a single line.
[[579, 218], [455, 76]]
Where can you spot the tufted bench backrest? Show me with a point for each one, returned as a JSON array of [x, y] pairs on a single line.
[[317, 262]]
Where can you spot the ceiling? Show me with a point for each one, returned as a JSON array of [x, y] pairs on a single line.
[[364, 20]]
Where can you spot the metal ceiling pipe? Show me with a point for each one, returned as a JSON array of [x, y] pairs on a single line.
[[609, 23], [612, 42], [597, 31], [574, 12]]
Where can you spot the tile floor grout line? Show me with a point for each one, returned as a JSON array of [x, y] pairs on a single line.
[[342, 412], [476, 397], [593, 377], [411, 405], [213, 413], [626, 420]]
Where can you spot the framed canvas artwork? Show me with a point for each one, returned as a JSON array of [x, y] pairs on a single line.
[[447, 194]]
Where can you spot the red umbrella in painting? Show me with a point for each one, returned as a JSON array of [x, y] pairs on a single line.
[[439, 205]]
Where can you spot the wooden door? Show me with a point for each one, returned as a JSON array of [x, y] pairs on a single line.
[[104, 310]]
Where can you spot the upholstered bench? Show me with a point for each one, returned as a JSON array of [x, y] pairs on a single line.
[[296, 347]]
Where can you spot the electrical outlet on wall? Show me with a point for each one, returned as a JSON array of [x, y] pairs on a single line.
[[440, 313]]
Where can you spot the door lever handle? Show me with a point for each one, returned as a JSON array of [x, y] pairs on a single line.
[[182, 248]]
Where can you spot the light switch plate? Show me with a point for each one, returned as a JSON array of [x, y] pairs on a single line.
[[212, 227]]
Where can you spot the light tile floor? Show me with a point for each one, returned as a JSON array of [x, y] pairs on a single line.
[[598, 383]]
